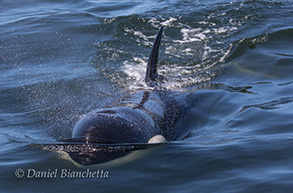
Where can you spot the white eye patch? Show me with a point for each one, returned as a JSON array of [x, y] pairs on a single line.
[[157, 139]]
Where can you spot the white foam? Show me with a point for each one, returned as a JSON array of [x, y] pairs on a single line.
[[191, 35], [168, 22]]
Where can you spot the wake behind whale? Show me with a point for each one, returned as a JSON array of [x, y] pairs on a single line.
[[131, 122]]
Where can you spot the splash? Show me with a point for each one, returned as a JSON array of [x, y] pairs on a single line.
[[135, 70], [186, 59]]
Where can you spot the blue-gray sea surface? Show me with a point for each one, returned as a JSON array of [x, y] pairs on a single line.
[[61, 59]]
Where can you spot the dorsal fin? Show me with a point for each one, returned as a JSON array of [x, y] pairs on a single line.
[[152, 72]]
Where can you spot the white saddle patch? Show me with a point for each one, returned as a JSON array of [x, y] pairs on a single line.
[[157, 139]]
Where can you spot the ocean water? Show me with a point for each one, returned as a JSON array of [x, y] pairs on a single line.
[[62, 59]]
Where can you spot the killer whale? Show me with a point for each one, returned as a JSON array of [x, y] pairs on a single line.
[[152, 115]]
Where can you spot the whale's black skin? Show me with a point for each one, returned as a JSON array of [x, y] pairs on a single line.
[[134, 118]]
